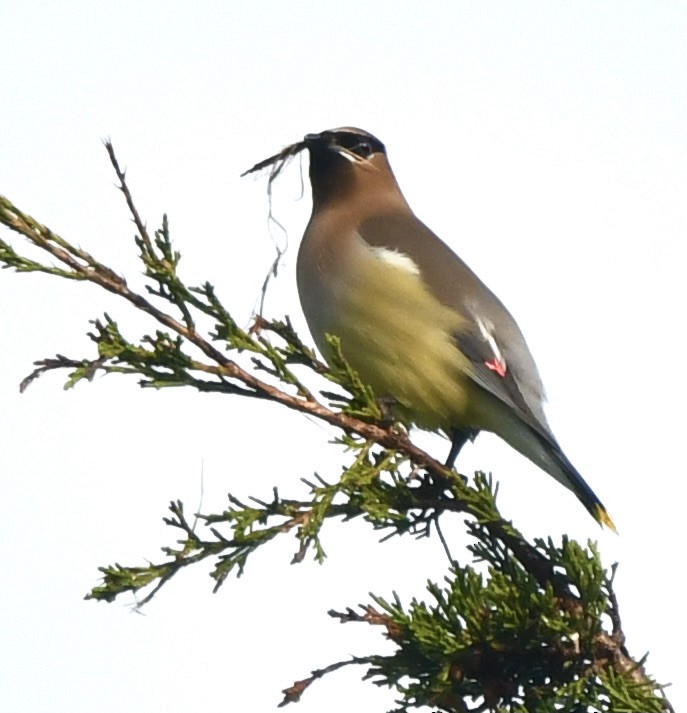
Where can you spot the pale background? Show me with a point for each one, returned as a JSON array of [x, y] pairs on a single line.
[[544, 141]]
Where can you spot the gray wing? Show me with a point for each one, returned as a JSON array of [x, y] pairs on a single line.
[[493, 341]]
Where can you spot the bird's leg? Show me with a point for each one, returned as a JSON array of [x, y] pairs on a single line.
[[459, 437], [433, 484]]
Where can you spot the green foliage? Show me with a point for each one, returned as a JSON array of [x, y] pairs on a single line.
[[500, 636], [498, 640], [525, 627], [504, 640]]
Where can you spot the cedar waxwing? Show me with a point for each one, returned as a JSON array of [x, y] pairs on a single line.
[[412, 318]]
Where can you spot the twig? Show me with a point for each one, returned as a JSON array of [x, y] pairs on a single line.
[[293, 693]]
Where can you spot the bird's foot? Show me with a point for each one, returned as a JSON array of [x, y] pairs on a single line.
[[386, 405]]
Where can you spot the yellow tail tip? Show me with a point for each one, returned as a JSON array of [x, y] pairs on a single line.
[[603, 518]]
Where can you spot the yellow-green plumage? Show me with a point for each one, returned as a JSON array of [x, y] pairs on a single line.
[[397, 336]]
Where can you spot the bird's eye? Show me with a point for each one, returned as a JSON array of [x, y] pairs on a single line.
[[362, 149], [356, 144]]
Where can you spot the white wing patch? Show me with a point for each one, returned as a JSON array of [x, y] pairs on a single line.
[[397, 259], [486, 330]]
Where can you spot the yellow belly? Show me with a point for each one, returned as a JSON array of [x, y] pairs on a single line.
[[399, 338]]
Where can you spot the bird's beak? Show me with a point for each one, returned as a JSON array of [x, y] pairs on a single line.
[[323, 140]]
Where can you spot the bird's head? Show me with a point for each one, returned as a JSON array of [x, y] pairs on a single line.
[[345, 164], [347, 160]]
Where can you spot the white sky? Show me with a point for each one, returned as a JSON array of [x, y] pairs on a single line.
[[544, 141]]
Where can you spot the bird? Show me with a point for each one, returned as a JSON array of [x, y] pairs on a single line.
[[412, 318]]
